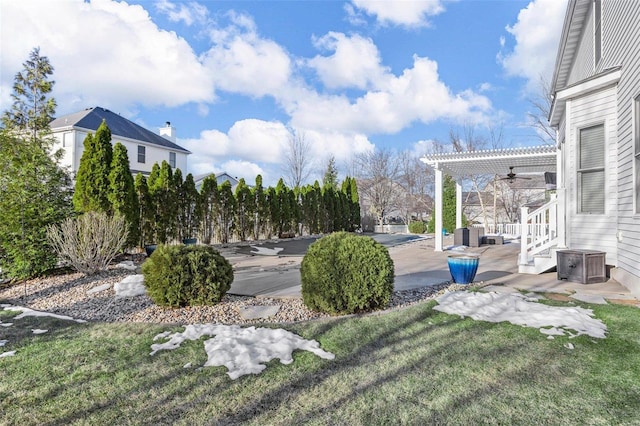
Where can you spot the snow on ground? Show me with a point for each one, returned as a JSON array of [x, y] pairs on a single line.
[[130, 286], [26, 312], [521, 310], [241, 350], [265, 251]]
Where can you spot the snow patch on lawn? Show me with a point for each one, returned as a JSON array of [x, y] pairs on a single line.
[[26, 312], [241, 350], [520, 310]]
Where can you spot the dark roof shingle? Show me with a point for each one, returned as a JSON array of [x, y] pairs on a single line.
[[91, 119]]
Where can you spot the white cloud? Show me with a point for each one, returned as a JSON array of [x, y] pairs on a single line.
[[354, 63], [186, 12], [243, 169], [89, 44], [423, 147], [408, 13], [242, 62], [416, 95], [536, 34], [247, 143]]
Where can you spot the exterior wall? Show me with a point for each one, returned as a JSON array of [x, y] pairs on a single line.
[[73, 147], [592, 231], [618, 230], [583, 63], [621, 46]]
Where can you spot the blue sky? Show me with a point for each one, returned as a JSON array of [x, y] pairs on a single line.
[[238, 78]]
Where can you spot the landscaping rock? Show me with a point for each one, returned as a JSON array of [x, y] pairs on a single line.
[[258, 311]]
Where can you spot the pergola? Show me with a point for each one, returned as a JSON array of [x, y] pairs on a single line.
[[538, 159]]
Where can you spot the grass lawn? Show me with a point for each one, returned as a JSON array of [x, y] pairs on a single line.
[[414, 366]]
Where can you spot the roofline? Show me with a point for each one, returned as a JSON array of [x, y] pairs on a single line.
[[137, 141]]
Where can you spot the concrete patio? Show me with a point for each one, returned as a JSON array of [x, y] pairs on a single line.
[[418, 265]]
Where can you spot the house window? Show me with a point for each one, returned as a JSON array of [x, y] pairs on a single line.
[[141, 154], [67, 139], [636, 143], [591, 170], [172, 159], [597, 30]]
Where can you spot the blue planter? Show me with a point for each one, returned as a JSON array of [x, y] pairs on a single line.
[[189, 241], [150, 248], [463, 267]]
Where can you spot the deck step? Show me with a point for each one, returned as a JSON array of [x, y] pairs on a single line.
[[541, 262]]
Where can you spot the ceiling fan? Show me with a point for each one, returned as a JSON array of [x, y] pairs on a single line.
[[511, 176]]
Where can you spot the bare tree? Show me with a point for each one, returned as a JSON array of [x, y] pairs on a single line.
[[416, 181], [377, 175], [297, 160], [469, 142], [539, 116]]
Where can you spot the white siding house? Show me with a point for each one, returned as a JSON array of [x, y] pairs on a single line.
[[144, 147], [596, 111]]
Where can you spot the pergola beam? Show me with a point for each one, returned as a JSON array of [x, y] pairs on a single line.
[[460, 164]]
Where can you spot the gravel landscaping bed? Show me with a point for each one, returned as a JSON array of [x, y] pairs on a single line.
[[68, 294]]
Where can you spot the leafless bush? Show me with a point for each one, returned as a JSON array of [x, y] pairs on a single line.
[[90, 241]]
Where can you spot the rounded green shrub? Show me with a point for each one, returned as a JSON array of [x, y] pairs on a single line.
[[344, 273], [186, 275], [417, 227]]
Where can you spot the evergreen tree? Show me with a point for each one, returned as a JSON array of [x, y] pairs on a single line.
[[329, 206], [146, 211], [34, 193], [92, 181], [32, 110], [177, 186], [261, 209], [244, 210], [273, 213], [227, 211], [330, 178], [161, 188], [34, 190], [122, 194], [350, 188], [208, 208], [448, 207], [282, 219], [190, 205]]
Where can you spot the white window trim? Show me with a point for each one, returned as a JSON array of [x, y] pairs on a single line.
[[578, 171]]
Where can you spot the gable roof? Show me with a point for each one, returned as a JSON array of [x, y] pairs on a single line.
[[91, 118]]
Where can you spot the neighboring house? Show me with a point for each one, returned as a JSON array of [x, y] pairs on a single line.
[[144, 146], [508, 198], [596, 111], [220, 179]]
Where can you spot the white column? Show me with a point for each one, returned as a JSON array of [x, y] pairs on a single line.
[[561, 179], [438, 208], [458, 205]]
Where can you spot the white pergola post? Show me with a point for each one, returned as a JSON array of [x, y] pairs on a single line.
[[458, 205], [438, 209]]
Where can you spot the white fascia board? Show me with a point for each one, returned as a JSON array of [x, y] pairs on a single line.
[[588, 86]]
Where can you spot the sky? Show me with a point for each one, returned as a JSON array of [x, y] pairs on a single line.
[[239, 79], [246, 350]]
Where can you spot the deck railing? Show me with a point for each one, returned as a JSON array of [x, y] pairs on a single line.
[[541, 232]]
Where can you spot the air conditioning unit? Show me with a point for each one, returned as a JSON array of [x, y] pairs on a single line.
[[582, 266]]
